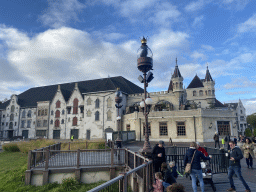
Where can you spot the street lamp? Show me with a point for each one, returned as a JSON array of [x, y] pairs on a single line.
[[145, 64], [118, 100]]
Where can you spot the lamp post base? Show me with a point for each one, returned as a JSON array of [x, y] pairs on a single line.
[[147, 150]]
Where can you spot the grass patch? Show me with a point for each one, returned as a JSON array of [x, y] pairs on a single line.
[[12, 177], [98, 144]]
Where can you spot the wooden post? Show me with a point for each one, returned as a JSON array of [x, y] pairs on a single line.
[[46, 171], [78, 170], [147, 177], [28, 171], [86, 144], [78, 158], [29, 160]]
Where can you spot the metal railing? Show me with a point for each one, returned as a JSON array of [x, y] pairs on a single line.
[[90, 157], [122, 182]]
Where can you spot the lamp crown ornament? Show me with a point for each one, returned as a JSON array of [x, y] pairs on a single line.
[[144, 57]]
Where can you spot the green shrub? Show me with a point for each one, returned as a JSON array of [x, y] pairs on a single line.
[[11, 147], [69, 184]]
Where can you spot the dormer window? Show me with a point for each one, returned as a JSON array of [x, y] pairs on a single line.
[[194, 93]]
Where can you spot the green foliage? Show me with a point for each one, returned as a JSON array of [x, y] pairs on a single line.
[[248, 132], [12, 177], [251, 119], [11, 147], [69, 184], [254, 132]]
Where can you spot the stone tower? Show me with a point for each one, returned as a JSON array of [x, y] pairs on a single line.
[[177, 82], [209, 88]]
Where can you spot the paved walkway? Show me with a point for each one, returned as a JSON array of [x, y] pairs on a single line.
[[220, 180]]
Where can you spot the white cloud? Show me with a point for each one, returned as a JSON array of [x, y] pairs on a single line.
[[234, 4], [242, 82], [198, 21], [248, 26], [250, 105], [61, 12], [208, 47], [165, 14], [197, 55], [195, 5]]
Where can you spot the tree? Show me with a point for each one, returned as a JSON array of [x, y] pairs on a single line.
[[251, 119], [248, 132]]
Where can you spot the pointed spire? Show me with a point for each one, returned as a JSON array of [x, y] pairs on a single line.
[[170, 86], [208, 76], [176, 70]]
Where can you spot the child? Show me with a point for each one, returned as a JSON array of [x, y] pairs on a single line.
[[176, 187], [223, 142], [158, 186], [173, 169]]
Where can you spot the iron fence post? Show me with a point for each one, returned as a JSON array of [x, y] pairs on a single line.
[[112, 168]]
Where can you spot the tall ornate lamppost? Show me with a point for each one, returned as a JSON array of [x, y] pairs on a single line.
[[118, 100], [145, 64]]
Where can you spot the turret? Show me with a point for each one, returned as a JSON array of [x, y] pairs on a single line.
[[209, 88], [177, 81]]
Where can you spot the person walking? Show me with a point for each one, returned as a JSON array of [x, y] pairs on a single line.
[[248, 152], [158, 155], [235, 156], [216, 139], [196, 169], [72, 137]]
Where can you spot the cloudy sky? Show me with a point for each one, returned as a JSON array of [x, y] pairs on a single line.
[[44, 42]]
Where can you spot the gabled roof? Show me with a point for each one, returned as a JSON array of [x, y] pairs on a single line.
[[208, 76], [195, 83], [170, 86], [218, 103], [30, 97]]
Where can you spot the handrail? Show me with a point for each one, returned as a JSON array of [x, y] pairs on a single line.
[[108, 183]]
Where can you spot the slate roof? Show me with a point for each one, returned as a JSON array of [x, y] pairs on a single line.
[[218, 103], [30, 97], [176, 72], [208, 76], [231, 104], [195, 83], [170, 86]]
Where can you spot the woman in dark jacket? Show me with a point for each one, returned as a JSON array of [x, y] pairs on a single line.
[[196, 165]]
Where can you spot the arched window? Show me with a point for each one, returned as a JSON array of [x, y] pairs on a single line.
[[209, 92], [109, 103], [177, 85], [58, 104], [75, 106], [42, 112], [51, 122], [57, 123], [89, 101], [29, 124], [12, 108], [109, 116], [45, 112], [97, 103], [11, 117], [63, 112], [97, 116], [74, 121], [212, 92], [57, 113], [52, 112], [194, 93], [24, 113], [29, 114], [201, 93], [205, 92], [62, 121], [89, 113]]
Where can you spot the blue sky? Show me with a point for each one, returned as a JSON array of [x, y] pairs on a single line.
[[57, 41]]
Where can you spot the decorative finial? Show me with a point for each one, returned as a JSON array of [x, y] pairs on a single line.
[[143, 40], [118, 88], [176, 61]]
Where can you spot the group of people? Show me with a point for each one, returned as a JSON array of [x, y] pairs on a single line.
[[166, 176]]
